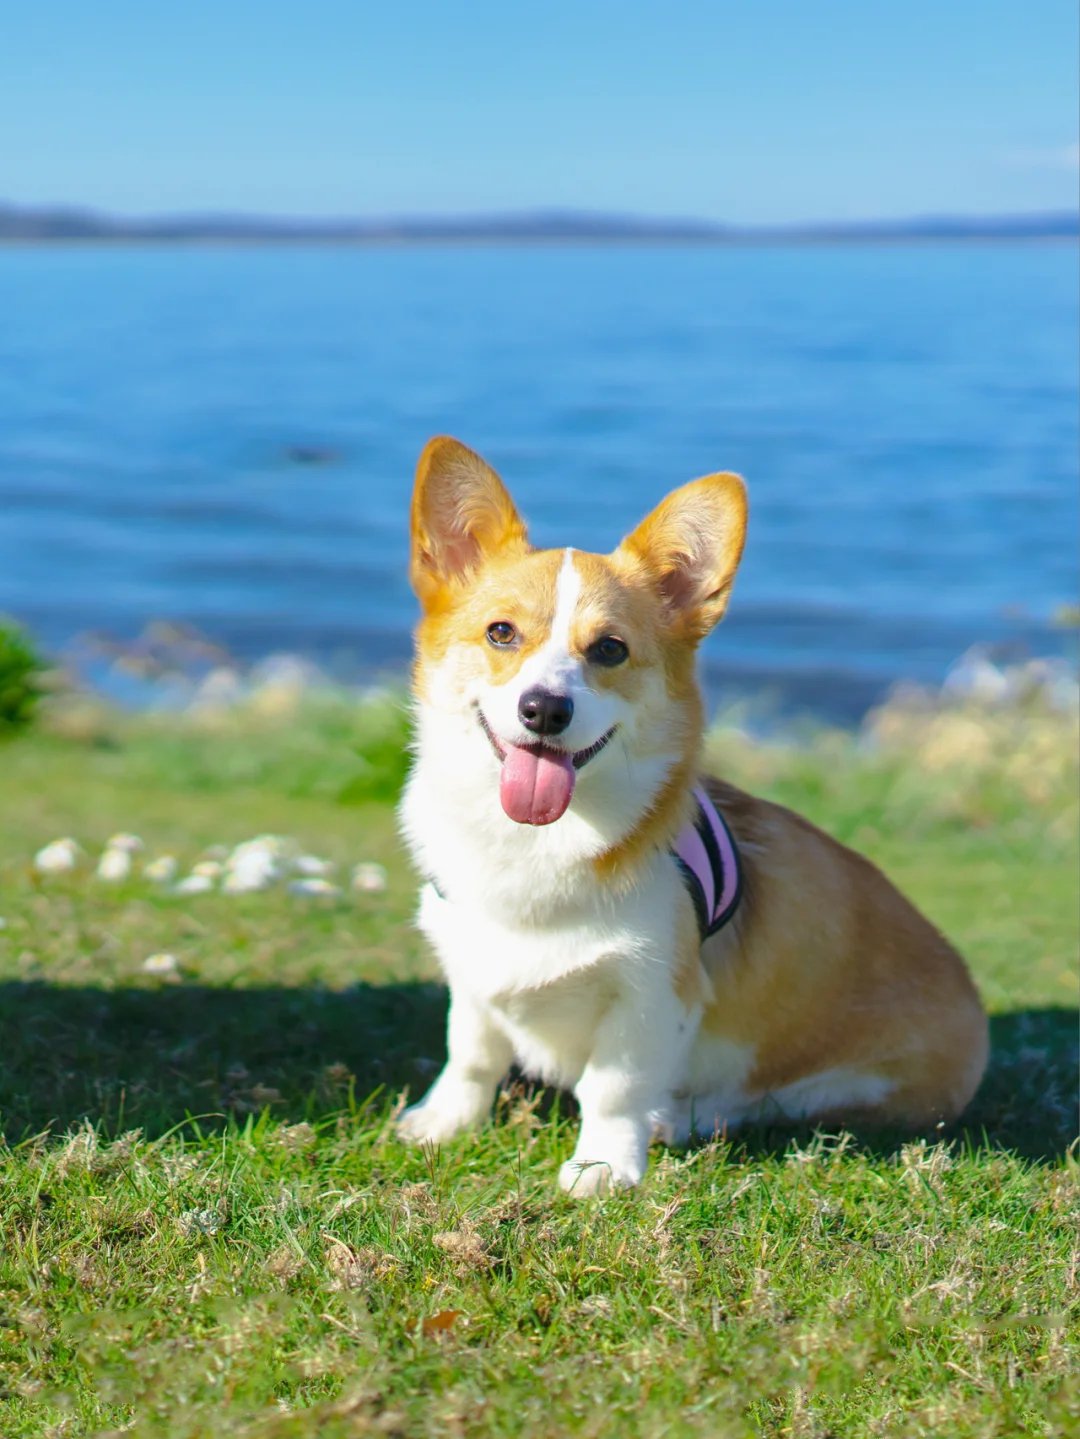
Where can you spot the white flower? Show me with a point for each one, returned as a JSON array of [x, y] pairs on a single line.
[[256, 871], [245, 882], [210, 867], [254, 865], [57, 858], [314, 888], [310, 864], [370, 878], [160, 964], [161, 870], [114, 866], [129, 842], [194, 884]]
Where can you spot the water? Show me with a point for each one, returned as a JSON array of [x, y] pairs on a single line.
[[227, 437]]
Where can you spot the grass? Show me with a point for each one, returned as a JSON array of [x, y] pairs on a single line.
[[208, 1227]]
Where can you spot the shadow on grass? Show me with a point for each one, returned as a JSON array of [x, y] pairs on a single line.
[[149, 1058]]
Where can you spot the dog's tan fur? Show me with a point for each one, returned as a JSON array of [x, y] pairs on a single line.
[[826, 964]]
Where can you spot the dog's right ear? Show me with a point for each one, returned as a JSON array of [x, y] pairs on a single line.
[[461, 514]]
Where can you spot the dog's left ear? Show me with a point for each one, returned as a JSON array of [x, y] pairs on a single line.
[[690, 547], [461, 515]]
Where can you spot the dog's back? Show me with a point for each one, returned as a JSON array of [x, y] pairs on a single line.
[[848, 1001]]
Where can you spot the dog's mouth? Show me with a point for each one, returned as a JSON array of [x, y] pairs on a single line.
[[537, 780]]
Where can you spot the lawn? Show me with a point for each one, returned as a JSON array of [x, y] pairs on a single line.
[[208, 1227]]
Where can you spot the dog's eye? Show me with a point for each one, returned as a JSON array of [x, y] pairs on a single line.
[[501, 633], [607, 651]]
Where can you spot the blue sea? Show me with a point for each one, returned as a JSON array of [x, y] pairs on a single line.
[[226, 437]]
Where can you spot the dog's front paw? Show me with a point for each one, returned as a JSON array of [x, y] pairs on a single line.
[[441, 1116], [424, 1124], [610, 1155], [420, 1124], [588, 1177]]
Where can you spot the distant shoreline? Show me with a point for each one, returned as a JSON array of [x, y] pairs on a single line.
[[58, 225], [546, 242]]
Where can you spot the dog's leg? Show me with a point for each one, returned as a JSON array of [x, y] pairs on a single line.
[[640, 1049], [479, 1056]]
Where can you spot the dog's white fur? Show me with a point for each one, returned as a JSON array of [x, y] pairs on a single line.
[[542, 965]]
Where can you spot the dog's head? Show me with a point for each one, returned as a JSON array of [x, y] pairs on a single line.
[[563, 665]]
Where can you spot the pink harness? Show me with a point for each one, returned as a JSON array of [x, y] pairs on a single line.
[[706, 855]]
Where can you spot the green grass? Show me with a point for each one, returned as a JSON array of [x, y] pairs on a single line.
[[208, 1228]]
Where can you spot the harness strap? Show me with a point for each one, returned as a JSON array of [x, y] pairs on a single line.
[[709, 862]]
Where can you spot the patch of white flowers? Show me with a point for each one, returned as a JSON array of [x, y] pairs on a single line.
[[254, 865]]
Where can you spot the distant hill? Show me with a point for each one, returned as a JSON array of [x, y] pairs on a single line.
[[20, 223]]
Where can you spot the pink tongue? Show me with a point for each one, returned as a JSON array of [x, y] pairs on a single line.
[[536, 784]]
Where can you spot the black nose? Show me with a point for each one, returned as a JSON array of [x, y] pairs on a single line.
[[544, 712]]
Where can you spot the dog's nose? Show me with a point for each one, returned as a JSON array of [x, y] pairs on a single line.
[[545, 713]]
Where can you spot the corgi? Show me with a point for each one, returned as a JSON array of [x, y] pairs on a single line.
[[682, 956]]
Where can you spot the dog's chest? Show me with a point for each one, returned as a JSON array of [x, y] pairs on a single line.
[[546, 989], [553, 1030], [549, 985], [498, 957]]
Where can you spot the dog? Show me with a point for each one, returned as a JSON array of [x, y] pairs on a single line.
[[682, 956]]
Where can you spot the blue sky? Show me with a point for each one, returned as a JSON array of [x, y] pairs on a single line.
[[768, 111]]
